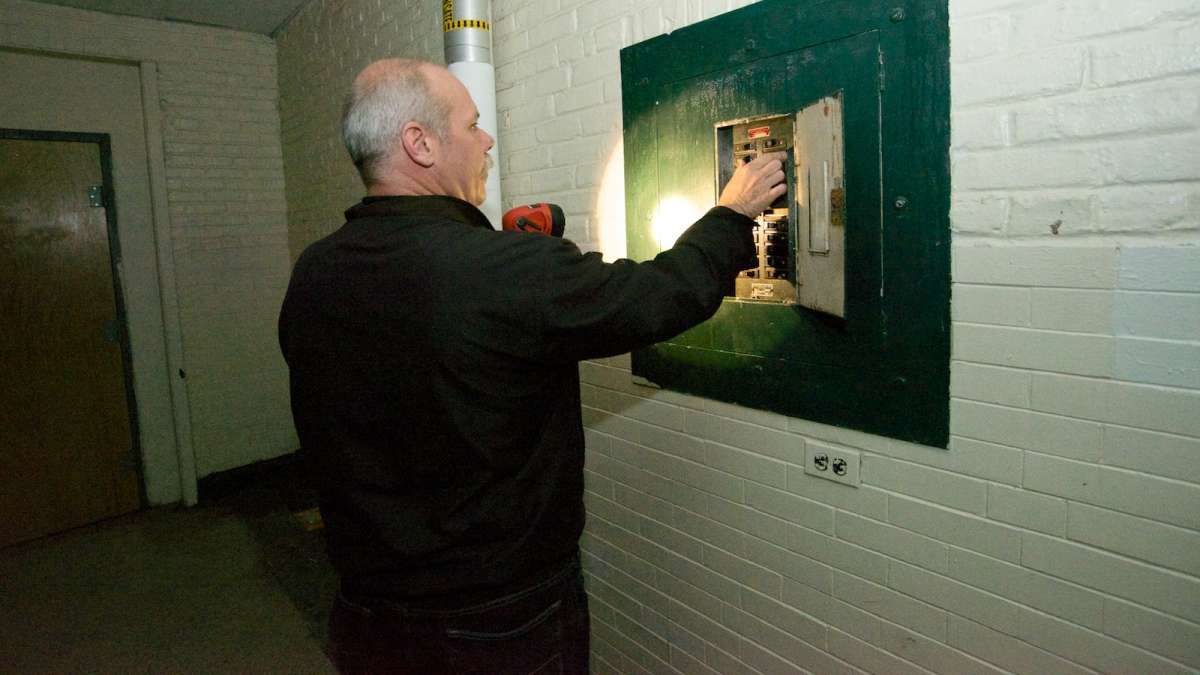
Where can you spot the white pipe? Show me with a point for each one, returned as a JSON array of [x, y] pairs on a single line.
[[467, 34]]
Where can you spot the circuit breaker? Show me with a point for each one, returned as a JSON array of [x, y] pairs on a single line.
[[800, 238], [844, 317]]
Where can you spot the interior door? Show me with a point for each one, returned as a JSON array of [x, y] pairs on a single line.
[[66, 435]]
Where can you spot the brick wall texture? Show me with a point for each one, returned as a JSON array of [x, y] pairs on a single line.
[[1059, 531], [320, 51], [224, 172]]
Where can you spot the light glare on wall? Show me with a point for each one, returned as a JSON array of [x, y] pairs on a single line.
[[610, 206], [673, 215]]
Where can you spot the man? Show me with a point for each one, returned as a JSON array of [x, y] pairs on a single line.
[[435, 386]]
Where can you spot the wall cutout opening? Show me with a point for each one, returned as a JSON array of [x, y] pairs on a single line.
[[845, 317]]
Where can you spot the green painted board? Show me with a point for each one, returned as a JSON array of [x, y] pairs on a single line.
[[884, 368]]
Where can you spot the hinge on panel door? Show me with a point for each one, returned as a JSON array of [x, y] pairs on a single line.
[[96, 196]]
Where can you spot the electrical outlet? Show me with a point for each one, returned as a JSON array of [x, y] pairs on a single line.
[[831, 463]]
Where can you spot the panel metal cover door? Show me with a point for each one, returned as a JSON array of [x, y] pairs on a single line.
[[66, 436]]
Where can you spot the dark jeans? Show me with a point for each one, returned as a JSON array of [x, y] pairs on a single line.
[[541, 630]]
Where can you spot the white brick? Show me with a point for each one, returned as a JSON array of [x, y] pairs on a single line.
[[1170, 592], [613, 35], [1040, 591], [1051, 434], [1154, 453], [747, 520], [864, 500], [989, 609], [765, 661], [978, 213], [1156, 408], [1073, 353], [1058, 166], [913, 614], [807, 599], [1167, 362], [979, 37], [1089, 648], [1027, 509], [1081, 311], [1179, 640], [1146, 208], [979, 129], [934, 485], [1049, 213], [528, 160], [793, 509], [1146, 55], [892, 541], [551, 180], [1171, 316], [1059, 69], [1007, 652], [1068, 267], [779, 616], [651, 412], [561, 128], [996, 305], [1062, 477], [745, 573], [1162, 499], [1164, 545], [966, 456], [863, 654], [709, 531], [1138, 110], [643, 504], [838, 554], [1100, 17], [1175, 268], [671, 442], [959, 529], [1157, 158], [753, 437], [990, 384], [930, 654], [1074, 396], [747, 465]]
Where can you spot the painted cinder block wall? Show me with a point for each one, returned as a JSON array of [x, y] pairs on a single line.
[[220, 146], [1058, 532]]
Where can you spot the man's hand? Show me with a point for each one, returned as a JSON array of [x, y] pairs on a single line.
[[754, 186]]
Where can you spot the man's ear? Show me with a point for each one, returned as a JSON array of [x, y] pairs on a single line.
[[419, 144]]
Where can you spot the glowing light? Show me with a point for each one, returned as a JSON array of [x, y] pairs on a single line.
[[610, 206], [673, 215]]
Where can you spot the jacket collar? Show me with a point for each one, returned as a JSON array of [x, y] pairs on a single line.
[[424, 206]]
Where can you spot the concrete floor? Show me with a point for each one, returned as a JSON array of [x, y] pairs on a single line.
[[234, 585]]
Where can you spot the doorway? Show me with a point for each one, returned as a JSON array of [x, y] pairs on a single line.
[[68, 430]]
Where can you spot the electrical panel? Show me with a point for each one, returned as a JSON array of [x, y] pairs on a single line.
[[799, 238], [844, 318]]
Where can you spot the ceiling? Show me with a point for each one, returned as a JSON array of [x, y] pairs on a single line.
[[256, 16]]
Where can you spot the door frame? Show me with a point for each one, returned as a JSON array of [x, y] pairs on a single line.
[[109, 198]]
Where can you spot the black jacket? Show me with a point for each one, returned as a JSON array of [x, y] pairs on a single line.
[[435, 383]]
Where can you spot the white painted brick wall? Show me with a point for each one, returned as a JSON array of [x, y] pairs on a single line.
[[1058, 533], [320, 51], [224, 172]]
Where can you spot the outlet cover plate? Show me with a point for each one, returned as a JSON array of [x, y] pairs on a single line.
[[831, 462]]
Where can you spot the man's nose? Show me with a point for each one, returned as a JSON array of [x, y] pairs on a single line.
[[490, 141]]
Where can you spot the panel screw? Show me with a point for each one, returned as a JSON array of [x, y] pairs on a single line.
[[901, 203], [898, 15]]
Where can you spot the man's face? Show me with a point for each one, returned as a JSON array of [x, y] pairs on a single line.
[[464, 157]]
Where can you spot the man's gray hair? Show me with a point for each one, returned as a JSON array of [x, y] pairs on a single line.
[[376, 111]]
